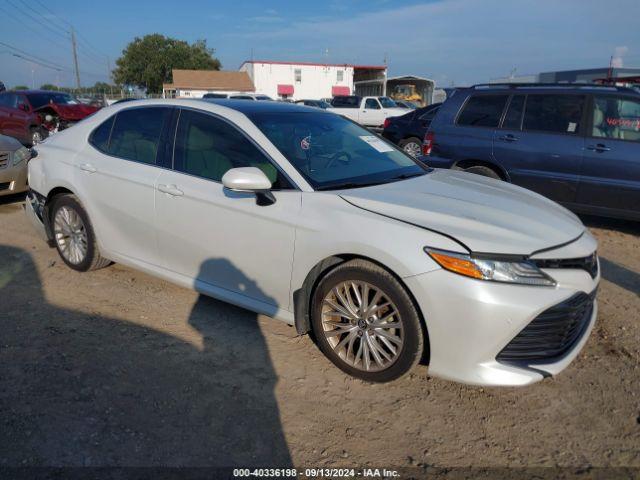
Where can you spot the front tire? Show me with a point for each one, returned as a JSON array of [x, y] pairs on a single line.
[[37, 135], [73, 235], [365, 322]]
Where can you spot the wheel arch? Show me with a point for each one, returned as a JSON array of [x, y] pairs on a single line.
[[467, 163], [303, 295]]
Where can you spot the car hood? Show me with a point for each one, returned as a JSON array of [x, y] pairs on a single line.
[[72, 112], [485, 215], [395, 112]]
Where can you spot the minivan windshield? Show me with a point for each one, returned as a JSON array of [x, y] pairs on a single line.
[[332, 153]]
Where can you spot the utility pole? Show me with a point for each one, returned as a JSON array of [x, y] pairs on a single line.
[[75, 56]]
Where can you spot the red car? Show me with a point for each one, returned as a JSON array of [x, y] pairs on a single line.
[[31, 115]]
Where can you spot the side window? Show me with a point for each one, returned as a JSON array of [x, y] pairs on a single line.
[[513, 117], [372, 104], [11, 100], [100, 136], [207, 147], [616, 117], [483, 111], [553, 113], [136, 133], [21, 103]]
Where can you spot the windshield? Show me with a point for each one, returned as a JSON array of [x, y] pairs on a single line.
[[331, 152], [38, 100], [386, 102]]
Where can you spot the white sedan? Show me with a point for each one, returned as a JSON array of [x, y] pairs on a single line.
[[303, 215]]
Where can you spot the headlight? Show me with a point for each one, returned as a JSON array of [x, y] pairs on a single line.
[[20, 155], [504, 271]]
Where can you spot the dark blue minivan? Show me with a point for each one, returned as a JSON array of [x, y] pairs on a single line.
[[576, 144]]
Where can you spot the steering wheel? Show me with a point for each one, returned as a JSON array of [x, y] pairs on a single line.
[[343, 156]]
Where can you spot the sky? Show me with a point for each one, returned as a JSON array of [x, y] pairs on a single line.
[[455, 42]]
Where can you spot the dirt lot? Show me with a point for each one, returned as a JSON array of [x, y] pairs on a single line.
[[115, 367]]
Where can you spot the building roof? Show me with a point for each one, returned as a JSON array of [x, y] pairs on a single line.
[[311, 64], [211, 80]]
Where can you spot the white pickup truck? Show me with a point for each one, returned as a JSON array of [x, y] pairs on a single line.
[[367, 111]]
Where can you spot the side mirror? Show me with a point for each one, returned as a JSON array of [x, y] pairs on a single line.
[[250, 179]]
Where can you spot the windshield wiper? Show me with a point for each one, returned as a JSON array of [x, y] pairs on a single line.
[[404, 176]]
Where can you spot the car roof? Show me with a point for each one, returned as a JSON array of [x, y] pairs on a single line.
[[245, 107], [550, 87]]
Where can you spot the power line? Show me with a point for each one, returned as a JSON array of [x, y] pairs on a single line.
[[31, 55], [40, 14], [37, 20]]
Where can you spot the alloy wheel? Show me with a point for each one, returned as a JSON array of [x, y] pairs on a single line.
[[412, 148], [70, 235], [36, 137], [362, 325]]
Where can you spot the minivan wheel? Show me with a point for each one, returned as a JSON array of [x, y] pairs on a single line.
[[365, 322], [412, 146], [484, 171], [73, 235]]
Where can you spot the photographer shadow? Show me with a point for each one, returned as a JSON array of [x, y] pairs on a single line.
[[80, 389]]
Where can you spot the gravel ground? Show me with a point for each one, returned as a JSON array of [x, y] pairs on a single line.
[[115, 367]]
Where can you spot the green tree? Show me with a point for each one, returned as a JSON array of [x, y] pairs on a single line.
[[48, 86], [147, 62], [20, 87]]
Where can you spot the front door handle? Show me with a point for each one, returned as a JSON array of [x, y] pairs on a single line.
[[508, 138], [599, 147], [172, 190], [87, 167]]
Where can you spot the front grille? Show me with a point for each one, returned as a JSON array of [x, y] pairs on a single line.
[[589, 263], [4, 159], [552, 333]]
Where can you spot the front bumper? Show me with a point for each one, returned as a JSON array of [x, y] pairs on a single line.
[[436, 162], [469, 322], [36, 213]]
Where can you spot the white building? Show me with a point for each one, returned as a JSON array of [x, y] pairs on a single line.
[[302, 80]]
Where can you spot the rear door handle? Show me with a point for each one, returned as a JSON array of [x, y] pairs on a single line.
[[172, 190], [600, 147], [508, 138], [87, 167]]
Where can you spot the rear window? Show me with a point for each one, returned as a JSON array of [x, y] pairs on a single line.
[[136, 134], [553, 113], [346, 102], [483, 111]]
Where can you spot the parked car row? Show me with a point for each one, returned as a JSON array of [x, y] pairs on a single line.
[[303, 215], [31, 115], [367, 111], [578, 145]]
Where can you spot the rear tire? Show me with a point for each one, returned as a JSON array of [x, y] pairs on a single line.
[[484, 171], [411, 146], [73, 235], [366, 323]]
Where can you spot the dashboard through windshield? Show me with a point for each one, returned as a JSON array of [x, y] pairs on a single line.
[[331, 152]]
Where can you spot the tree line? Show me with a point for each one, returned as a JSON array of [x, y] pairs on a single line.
[[146, 63]]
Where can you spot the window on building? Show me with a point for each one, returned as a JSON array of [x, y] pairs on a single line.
[[208, 147], [340, 76], [616, 117], [136, 134], [298, 75], [483, 111], [553, 113]]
